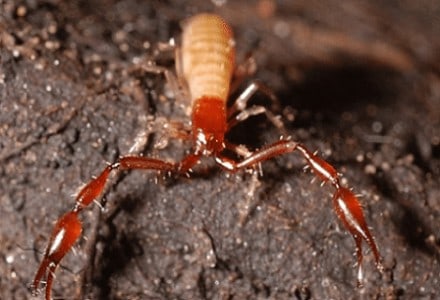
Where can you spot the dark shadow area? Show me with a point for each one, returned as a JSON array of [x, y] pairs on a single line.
[[120, 247], [415, 230], [409, 221], [333, 90]]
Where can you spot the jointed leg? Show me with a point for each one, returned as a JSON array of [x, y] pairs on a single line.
[[246, 69], [345, 203], [239, 111], [167, 130], [171, 79], [244, 206]]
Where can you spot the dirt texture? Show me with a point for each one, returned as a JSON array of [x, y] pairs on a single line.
[[358, 81]]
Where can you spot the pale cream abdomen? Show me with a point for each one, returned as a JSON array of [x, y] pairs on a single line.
[[207, 57]]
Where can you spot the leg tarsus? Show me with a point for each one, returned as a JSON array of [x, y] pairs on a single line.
[[349, 211], [66, 232], [49, 280], [360, 273]]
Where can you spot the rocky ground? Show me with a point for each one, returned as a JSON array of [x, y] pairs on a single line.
[[357, 81]]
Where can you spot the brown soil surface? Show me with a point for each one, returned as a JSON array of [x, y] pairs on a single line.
[[358, 81]]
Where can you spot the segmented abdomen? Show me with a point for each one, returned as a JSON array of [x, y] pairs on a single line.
[[208, 56]]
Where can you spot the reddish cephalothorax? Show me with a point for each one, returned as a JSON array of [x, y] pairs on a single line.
[[206, 64]]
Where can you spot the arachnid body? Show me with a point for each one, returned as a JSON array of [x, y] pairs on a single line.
[[206, 63]]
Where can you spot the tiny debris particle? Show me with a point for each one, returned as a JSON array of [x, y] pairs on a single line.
[[360, 157], [377, 127], [97, 70], [219, 2], [52, 45], [39, 66], [21, 11], [288, 188], [281, 29], [385, 166], [124, 47], [370, 169], [146, 45], [15, 53], [10, 259], [52, 28]]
